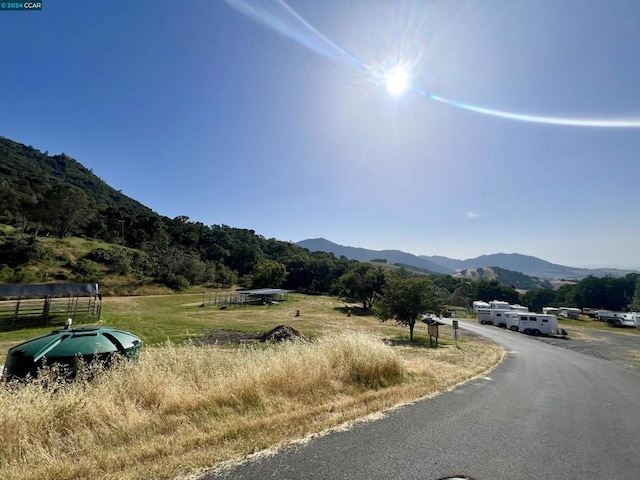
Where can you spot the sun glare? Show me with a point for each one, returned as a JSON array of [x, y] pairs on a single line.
[[397, 82]]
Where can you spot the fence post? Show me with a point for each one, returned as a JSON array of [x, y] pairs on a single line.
[[17, 312]]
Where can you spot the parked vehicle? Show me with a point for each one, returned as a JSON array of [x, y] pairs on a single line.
[[497, 312], [590, 312], [569, 312], [477, 305], [484, 316], [628, 320], [614, 318], [519, 319], [499, 317], [499, 305], [539, 324], [513, 321]]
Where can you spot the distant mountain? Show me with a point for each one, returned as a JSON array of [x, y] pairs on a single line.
[[365, 255], [531, 266], [515, 262]]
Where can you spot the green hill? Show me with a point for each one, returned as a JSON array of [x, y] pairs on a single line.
[[28, 174], [60, 222]]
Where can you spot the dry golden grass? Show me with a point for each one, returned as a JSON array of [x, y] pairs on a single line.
[[184, 409]]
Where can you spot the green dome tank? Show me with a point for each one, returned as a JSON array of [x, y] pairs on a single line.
[[67, 345]]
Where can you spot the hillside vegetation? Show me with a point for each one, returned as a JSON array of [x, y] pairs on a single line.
[[518, 280]]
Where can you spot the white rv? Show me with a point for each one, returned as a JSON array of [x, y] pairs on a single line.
[[539, 324], [550, 310]]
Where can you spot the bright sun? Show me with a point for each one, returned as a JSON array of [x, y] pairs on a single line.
[[397, 82]]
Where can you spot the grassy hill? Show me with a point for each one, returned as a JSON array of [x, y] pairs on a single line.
[[518, 280]]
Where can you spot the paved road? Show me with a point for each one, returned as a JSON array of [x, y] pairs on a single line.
[[545, 413]]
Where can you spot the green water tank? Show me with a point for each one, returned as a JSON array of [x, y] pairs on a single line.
[[66, 346]]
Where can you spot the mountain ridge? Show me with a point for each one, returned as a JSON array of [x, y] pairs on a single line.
[[517, 262]]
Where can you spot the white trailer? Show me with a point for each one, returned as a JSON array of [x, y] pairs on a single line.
[[615, 318], [478, 304], [539, 324], [513, 321], [499, 305], [484, 316], [493, 316], [628, 320], [569, 312], [499, 317], [485, 311], [495, 312], [550, 310], [590, 312]]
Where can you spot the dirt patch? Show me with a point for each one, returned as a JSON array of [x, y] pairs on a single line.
[[231, 337], [619, 348], [227, 337]]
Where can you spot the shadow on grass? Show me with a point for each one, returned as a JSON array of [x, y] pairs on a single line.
[[419, 341], [355, 311]]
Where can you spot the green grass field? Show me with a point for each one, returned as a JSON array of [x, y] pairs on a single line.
[[177, 318]]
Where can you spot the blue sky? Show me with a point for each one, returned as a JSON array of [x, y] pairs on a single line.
[[198, 109]]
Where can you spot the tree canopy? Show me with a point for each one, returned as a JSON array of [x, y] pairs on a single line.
[[363, 281], [406, 300]]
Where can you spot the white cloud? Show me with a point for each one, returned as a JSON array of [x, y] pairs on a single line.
[[471, 214]]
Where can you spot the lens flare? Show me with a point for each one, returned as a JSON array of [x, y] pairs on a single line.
[[397, 82], [279, 16]]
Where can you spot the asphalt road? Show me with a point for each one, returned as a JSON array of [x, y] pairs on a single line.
[[544, 413]]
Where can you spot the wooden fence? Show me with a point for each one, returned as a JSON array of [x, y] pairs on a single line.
[[21, 312]]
